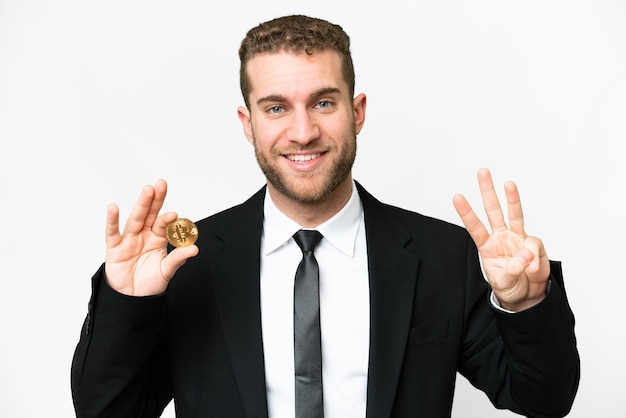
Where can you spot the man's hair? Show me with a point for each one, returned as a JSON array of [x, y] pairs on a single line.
[[297, 34]]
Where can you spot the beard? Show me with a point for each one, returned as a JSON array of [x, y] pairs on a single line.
[[309, 187]]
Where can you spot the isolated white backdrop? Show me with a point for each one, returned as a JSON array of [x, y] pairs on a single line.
[[100, 98]]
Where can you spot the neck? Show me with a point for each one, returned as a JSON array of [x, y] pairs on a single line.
[[312, 214]]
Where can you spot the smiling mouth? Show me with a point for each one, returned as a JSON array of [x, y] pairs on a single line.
[[302, 158]]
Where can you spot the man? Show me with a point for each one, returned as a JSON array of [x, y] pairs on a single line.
[[403, 303]]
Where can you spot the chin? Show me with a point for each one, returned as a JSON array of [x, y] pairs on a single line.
[[309, 191]]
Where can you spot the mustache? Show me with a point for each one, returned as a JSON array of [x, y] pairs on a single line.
[[311, 147]]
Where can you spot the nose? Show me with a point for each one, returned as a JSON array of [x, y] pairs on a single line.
[[303, 128]]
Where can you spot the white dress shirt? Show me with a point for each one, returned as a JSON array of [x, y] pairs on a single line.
[[344, 309]]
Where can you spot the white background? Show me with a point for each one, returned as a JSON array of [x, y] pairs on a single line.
[[98, 98]]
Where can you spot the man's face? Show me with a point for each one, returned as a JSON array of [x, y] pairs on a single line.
[[302, 123]]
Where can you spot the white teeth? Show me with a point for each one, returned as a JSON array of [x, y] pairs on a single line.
[[302, 158]]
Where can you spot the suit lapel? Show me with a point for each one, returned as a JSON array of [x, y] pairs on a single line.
[[393, 272], [238, 294]]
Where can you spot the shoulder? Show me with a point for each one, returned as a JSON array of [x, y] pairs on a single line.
[[408, 219], [249, 211]]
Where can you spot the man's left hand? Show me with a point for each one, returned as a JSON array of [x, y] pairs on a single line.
[[516, 265]]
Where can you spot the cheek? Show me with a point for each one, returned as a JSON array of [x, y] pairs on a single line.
[[264, 146], [265, 134]]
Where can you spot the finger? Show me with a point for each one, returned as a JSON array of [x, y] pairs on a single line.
[[514, 208], [536, 247], [161, 222], [137, 218], [160, 191], [112, 230], [490, 200], [518, 264], [472, 223], [176, 258]]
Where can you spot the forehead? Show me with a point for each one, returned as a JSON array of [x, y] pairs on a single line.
[[289, 74]]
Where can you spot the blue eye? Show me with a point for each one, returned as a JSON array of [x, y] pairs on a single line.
[[324, 104], [275, 109]]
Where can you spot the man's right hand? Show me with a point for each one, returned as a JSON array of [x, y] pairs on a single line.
[[137, 262]]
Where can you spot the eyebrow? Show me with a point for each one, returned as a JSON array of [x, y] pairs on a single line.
[[278, 98], [325, 91]]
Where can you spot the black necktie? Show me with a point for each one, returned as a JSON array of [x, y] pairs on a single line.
[[306, 326]]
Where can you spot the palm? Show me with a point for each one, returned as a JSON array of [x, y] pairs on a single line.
[[136, 262]]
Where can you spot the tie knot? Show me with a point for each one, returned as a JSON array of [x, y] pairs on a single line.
[[307, 239]]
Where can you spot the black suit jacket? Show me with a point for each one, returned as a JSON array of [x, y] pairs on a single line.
[[201, 342]]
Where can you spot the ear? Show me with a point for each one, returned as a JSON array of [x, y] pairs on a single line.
[[359, 104], [244, 117]]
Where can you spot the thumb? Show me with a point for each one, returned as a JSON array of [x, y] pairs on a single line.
[[176, 258], [519, 263]]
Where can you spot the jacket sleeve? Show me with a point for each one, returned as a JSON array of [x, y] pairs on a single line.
[[528, 361], [120, 365]]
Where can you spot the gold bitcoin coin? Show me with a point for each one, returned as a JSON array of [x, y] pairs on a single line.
[[181, 232]]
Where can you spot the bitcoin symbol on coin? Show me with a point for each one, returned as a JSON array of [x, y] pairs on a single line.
[[181, 232]]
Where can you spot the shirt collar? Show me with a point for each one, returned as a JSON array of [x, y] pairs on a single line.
[[340, 230]]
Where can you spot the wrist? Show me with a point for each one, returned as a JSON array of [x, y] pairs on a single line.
[[513, 307]]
